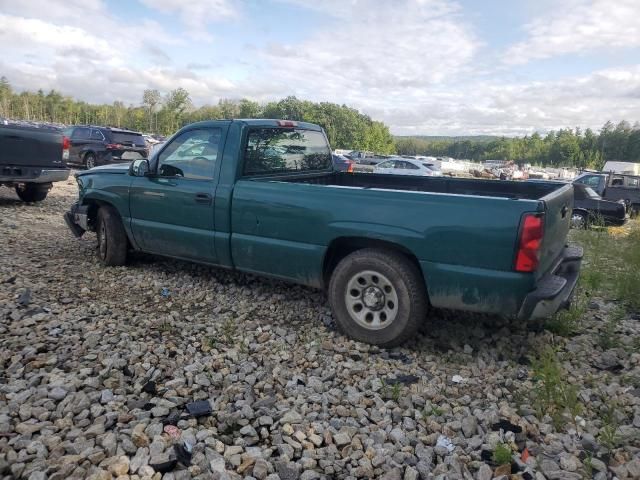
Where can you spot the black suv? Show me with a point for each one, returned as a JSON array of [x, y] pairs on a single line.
[[90, 145]]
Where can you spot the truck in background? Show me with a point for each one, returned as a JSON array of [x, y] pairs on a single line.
[[614, 187], [31, 159]]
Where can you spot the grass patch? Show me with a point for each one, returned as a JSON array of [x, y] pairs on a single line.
[[608, 337], [502, 454], [608, 435], [552, 395], [568, 323], [611, 263]]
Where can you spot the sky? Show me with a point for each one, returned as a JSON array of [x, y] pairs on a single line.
[[424, 67]]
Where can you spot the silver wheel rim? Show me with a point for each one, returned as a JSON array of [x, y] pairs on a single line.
[[371, 300], [90, 162], [577, 220]]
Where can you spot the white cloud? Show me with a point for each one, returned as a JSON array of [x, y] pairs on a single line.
[[196, 15], [518, 108], [416, 64], [578, 26], [377, 46]]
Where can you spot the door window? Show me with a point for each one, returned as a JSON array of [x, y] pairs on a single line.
[[387, 164], [408, 166], [81, 134], [96, 135], [192, 155]]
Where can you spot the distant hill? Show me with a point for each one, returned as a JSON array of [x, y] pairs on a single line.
[[462, 138]]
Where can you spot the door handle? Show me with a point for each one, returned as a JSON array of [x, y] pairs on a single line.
[[203, 198], [564, 211]]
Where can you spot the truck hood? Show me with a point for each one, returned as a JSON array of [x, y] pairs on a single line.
[[115, 168]]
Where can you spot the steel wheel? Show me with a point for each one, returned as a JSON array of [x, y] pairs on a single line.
[[371, 300], [578, 220]]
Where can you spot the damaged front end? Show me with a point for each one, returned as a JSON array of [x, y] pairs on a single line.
[[77, 219]]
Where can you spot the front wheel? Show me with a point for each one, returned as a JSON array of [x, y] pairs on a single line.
[[32, 192], [378, 297], [112, 239]]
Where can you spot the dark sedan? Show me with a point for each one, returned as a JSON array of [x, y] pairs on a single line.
[[589, 208]]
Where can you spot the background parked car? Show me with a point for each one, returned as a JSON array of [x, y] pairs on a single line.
[[342, 163], [589, 208], [405, 166], [92, 145]]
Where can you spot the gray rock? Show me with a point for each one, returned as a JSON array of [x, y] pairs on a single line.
[[410, 473], [57, 393], [288, 470], [484, 472], [291, 417], [469, 426], [260, 469]]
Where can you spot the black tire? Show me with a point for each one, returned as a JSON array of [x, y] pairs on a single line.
[[89, 161], [32, 192], [406, 286], [112, 239]]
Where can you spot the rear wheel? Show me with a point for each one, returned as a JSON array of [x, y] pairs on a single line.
[[378, 297], [578, 220], [89, 160], [112, 239], [32, 192]]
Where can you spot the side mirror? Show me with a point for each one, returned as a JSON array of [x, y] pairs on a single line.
[[139, 168]]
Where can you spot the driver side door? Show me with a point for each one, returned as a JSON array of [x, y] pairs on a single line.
[[172, 209]]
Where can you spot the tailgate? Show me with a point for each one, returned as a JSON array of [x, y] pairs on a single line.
[[33, 147], [558, 206], [128, 145]]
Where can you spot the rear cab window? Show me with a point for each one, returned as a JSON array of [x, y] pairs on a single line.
[[272, 150]]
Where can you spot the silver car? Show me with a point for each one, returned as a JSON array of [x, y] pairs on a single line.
[[407, 166]]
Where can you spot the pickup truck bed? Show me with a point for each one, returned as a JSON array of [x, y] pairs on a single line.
[[486, 188], [476, 245], [31, 159]]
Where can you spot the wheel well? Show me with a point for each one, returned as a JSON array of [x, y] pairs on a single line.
[[339, 248], [92, 214], [89, 152]]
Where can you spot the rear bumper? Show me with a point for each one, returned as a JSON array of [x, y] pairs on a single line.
[[554, 290], [77, 219], [13, 174]]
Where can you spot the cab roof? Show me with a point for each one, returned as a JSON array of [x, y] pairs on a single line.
[[259, 122]]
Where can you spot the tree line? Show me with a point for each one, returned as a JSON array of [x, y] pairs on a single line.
[[164, 114], [346, 127], [565, 147]]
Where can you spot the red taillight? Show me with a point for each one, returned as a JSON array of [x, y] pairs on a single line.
[[66, 144], [287, 123], [113, 146], [350, 167], [531, 233]]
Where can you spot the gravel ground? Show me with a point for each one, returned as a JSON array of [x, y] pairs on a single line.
[[97, 364]]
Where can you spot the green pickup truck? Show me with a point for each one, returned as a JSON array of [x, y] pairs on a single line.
[[261, 196]]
